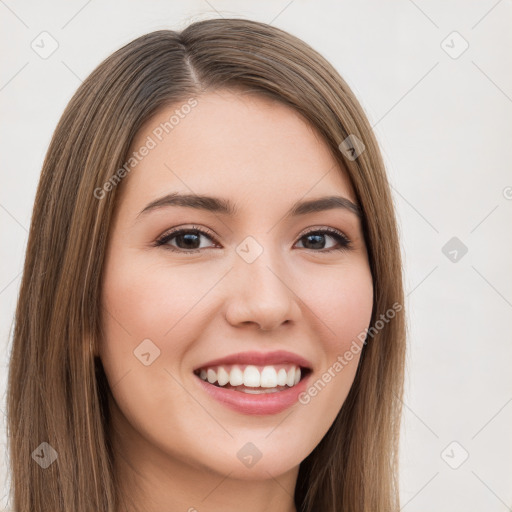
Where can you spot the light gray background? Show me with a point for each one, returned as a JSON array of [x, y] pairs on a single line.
[[445, 128]]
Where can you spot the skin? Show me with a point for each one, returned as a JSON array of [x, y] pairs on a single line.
[[176, 448]]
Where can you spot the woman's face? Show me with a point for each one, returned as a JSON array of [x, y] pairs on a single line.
[[251, 300]]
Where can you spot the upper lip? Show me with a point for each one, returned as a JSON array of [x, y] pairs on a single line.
[[259, 359]]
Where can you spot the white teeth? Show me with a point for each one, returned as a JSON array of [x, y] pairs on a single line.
[[236, 377], [290, 380], [222, 376], [281, 377], [268, 378], [252, 377]]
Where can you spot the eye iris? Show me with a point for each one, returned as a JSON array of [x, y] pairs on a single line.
[[187, 240], [188, 237], [319, 240]]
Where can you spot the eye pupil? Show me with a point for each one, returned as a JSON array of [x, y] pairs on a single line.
[[319, 240], [189, 240], [188, 237]]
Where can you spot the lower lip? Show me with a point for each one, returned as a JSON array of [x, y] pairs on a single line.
[[264, 403]]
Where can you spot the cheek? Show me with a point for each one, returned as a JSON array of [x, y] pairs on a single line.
[[342, 301], [151, 301], [343, 309], [149, 323], [339, 309]]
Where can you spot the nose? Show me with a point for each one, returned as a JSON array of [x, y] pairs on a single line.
[[262, 293]]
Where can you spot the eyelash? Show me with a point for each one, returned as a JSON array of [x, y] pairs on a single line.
[[342, 239]]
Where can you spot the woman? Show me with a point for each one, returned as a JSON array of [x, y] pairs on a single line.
[[211, 311]]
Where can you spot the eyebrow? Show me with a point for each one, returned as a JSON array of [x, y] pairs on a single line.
[[225, 207]]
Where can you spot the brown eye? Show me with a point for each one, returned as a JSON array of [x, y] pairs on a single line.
[[187, 240], [316, 240]]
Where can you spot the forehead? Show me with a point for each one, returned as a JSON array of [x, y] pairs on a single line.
[[231, 144]]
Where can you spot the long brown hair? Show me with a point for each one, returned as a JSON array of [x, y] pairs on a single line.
[[57, 390]]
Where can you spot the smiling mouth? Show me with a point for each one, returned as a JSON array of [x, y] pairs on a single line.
[[253, 379]]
